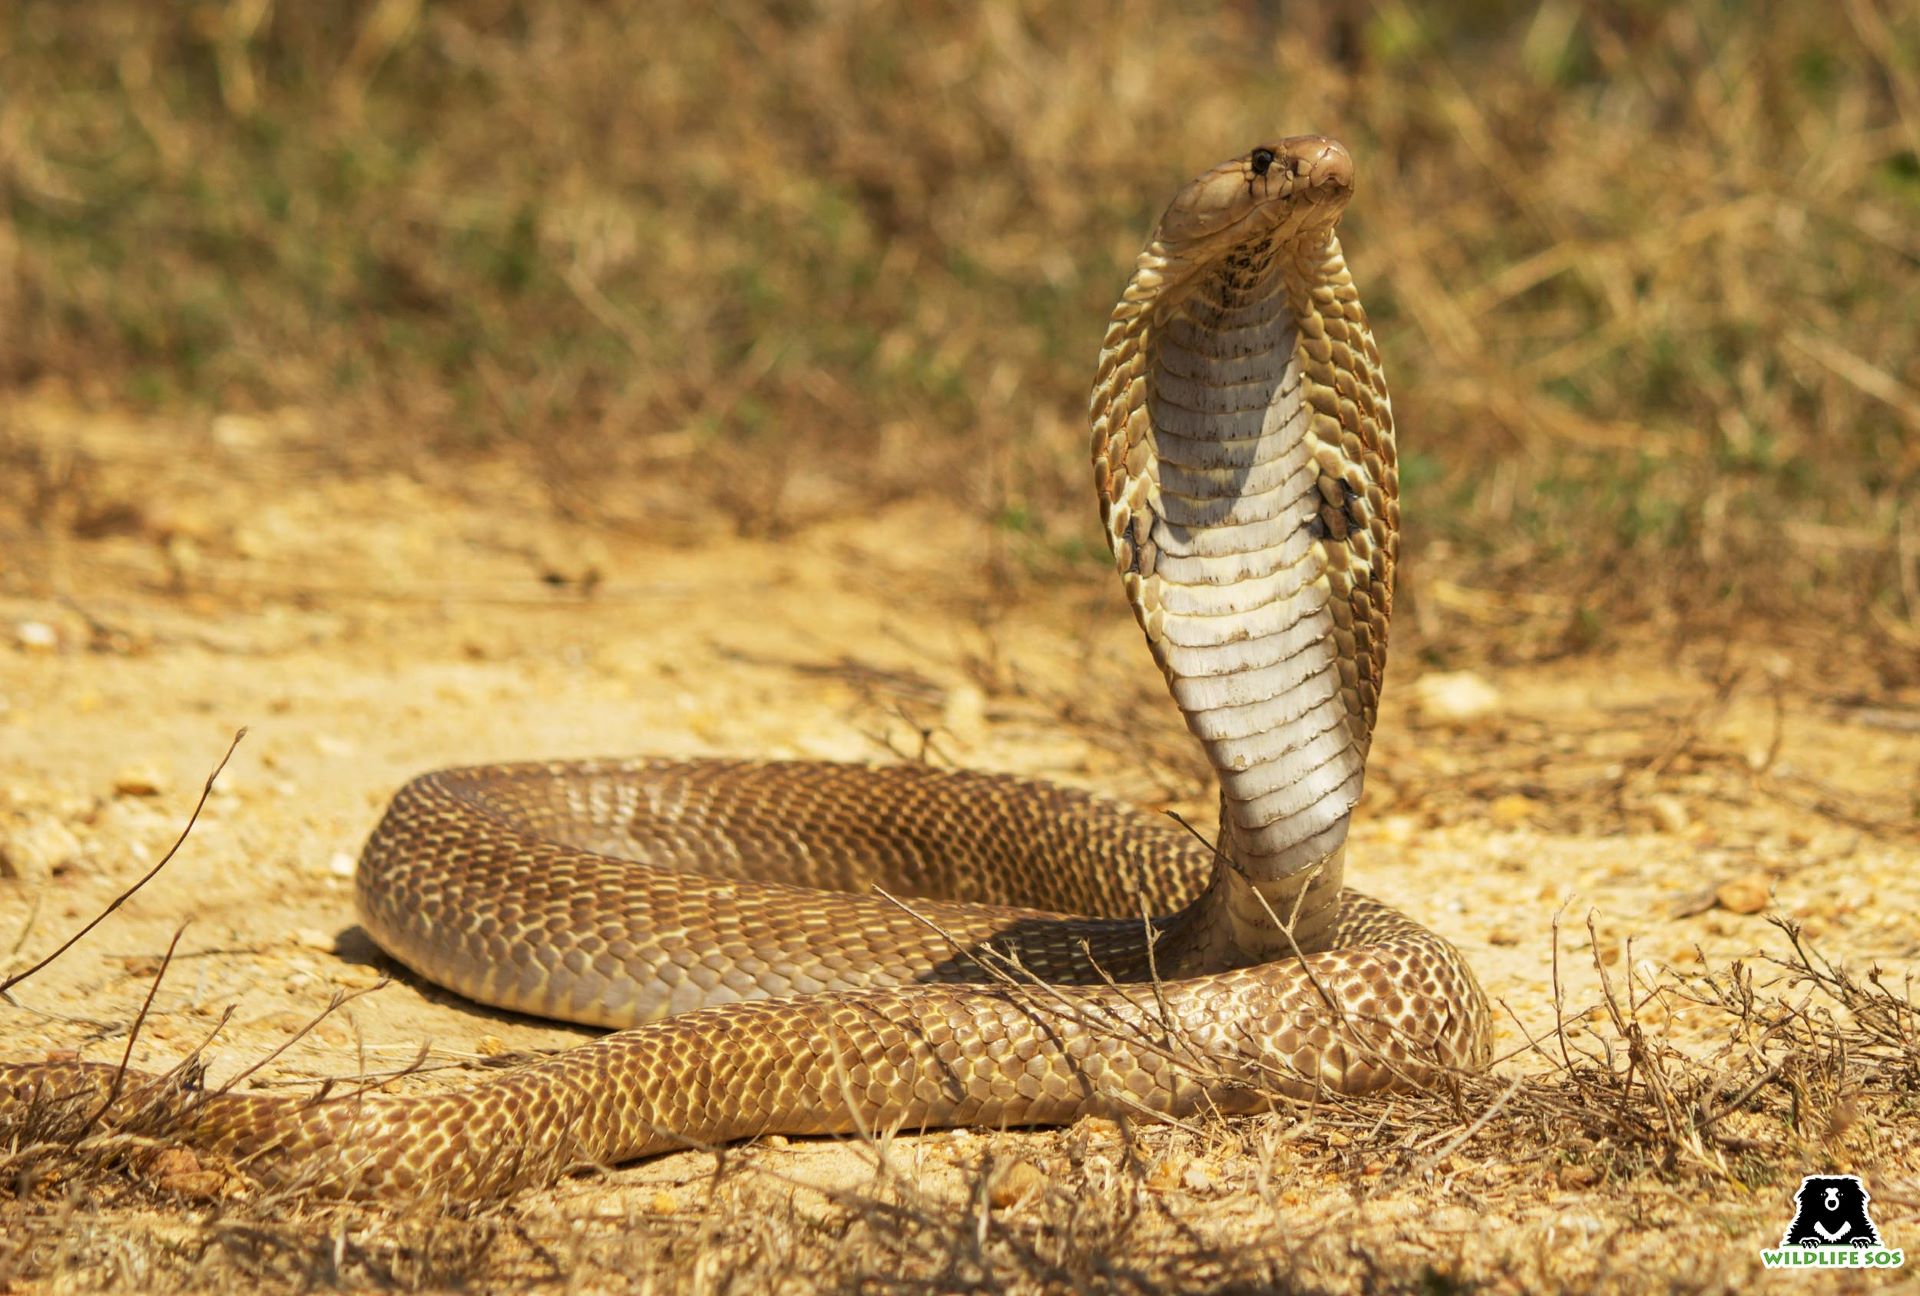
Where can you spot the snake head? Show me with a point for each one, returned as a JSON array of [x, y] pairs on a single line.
[[1280, 192]]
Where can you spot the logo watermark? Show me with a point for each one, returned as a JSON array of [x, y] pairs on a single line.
[[1832, 1229]]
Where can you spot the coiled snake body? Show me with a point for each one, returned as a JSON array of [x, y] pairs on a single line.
[[726, 915]]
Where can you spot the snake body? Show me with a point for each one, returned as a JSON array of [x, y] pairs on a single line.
[[798, 947]]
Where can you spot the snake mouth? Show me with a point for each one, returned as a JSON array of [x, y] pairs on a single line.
[[1289, 189]]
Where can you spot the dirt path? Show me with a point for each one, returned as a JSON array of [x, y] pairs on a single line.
[[364, 630]]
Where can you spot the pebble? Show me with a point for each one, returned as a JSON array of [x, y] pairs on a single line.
[[355, 976], [239, 431], [37, 848], [139, 781], [340, 865], [1578, 1176], [1586, 1225], [1455, 695], [36, 636], [1456, 1219], [1669, 813], [1015, 1182], [1746, 894], [1512, 809], [964, 714], [1102, 1127], [178, 1170]]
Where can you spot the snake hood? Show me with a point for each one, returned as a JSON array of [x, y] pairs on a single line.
[[1243, 453]]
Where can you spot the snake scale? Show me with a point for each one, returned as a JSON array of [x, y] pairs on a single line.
[[742, 926]]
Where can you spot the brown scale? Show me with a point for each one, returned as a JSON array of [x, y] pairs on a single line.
[[1359, 482]]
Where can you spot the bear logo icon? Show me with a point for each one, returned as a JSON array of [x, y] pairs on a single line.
[[1831, 1211]]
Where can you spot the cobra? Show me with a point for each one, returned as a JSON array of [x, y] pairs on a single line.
[[799, 947]]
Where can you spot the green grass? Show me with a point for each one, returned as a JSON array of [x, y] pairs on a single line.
[[1645, 274]]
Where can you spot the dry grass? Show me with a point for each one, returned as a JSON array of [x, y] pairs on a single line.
[[1644, 274], [1645, 277], [1816, 1067]]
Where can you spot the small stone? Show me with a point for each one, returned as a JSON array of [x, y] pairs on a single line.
[[1197, 1180], [1746, 894], [1582, 1225], [1503, 936], [314, 939], [39, 849], [171, 1162], [177, 1170], [1014, 1183], [1668, 813], [1694, 902], [340, 865], [661, 1203], [1512, 809], [964, 714], [354, 976], [239, 431], [1454, 696], [36, 636], [489, 1046], [139, 781]]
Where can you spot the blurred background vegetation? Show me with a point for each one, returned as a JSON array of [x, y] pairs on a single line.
[[1644, 273]]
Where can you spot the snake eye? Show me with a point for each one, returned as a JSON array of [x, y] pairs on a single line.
[[1262, 159]]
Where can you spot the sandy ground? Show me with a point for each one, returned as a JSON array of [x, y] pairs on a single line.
[[366, 629]]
